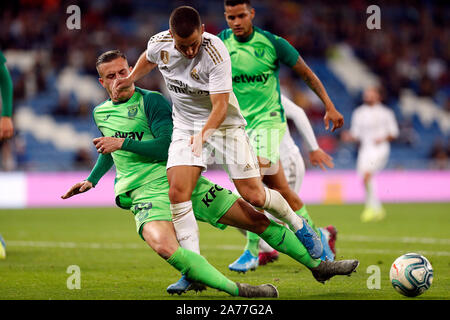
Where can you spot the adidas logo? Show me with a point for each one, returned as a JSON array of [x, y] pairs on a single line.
[[247, 167]]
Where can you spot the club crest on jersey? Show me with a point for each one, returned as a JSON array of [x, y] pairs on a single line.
[[132, 111], [194, 74], [259, 52], [164, 56]]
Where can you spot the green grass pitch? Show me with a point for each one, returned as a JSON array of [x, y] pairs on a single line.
[[116, 264]]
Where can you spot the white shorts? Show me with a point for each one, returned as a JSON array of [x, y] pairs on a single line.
[[371, 159], [228, 146], [292, 162], [294, 170]]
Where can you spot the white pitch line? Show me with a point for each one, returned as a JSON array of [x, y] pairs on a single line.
[[362, 238], [73, 245], [393, 252], [121, 246]]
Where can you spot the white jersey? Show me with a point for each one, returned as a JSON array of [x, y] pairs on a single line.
[[191, 81], [370, 123]]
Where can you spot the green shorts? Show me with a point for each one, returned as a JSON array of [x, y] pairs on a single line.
[[266, 139], [210, 202]]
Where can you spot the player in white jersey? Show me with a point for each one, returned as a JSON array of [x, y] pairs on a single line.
[[196, 67], [374, 126]]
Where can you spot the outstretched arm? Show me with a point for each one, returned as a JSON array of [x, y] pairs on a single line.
[[331, 114], [103, 164]]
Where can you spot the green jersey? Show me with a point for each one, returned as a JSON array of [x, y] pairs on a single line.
[[255, 65], [2, 58], [138, 119], [6, 88]]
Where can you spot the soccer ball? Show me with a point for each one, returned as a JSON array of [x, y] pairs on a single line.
[[411, 274], [2, 248]]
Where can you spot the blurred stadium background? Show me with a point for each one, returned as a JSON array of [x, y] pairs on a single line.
[[56, 87]]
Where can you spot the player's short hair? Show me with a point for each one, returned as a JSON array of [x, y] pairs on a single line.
[[109, 56], [233, 3], [184, 21]]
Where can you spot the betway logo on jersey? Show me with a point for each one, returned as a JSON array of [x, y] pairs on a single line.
[[245, 78], [130, 135]]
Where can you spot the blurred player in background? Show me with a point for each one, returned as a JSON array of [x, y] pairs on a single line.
[[6, 124], [374, 127], [196, 68], [256, 55]]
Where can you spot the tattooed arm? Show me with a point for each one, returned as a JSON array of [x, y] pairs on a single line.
[[302, 69]]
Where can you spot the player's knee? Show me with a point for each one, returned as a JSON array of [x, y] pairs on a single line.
[[178, 194], [256, 198], [253, 194], [367, 177]]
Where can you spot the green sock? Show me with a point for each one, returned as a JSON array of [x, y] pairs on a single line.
[[198, 269], [304, 213], [252, 243], [284, 240]]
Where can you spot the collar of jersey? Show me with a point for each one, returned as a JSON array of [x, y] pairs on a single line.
[[245, 39]]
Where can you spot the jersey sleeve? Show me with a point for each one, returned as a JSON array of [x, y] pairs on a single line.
[[155, 44], [102, 166], [355, 130], [158, 110], [6, 88], [286, 53], [220, 78], [220, 75], [392, 124], [151, 51], [159, 115]]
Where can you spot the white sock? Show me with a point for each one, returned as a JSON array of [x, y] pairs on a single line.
[[371, 196], [279, 208], [185, 225], [264, 246]]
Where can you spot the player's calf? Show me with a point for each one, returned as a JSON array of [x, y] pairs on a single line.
[[158, 235]]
